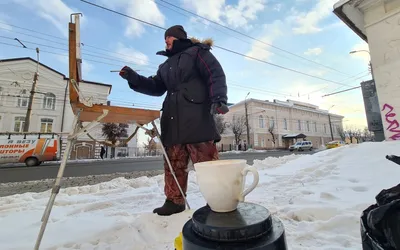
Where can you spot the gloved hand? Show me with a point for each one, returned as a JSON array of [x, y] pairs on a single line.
[[126, 72], [219, 108]]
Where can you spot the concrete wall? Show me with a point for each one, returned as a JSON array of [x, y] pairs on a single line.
[[382, 25]]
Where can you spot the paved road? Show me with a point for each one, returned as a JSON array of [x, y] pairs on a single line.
[[74, 169]]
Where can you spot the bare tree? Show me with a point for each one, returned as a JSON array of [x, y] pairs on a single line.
[[238, 126], [150, 145], [220, 124], [271, 131], [367, 135], [353, 133], [341, 133]]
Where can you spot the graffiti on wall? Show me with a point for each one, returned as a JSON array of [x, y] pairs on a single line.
[[390, 118]]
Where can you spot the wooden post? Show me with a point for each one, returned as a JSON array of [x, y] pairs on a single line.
[[31, 96], [74, 53]]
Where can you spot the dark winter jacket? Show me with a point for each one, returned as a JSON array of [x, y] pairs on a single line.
[[193, 79]]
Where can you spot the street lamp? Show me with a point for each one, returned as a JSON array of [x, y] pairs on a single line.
[[247, 119], [330, 123], [370, 64]]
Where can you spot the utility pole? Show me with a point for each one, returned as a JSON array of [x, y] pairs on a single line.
[[29, 111], [247, 121], [330, 125], [330, 122]]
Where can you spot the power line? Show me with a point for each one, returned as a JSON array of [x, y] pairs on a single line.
[[345, 80], [222, 48], [342, 91], [223, 32], [128, 62], [98, 48], [253, 38]]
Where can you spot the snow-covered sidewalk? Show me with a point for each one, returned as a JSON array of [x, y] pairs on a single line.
[[318, 197]]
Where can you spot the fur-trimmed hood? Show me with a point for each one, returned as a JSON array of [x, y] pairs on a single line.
[[209, 41]]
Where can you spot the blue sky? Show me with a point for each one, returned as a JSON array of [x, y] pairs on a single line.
[[307, 28]]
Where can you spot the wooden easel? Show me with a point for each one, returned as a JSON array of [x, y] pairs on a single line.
[[87, 111]]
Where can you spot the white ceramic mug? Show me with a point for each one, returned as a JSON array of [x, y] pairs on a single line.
[[222, 183]]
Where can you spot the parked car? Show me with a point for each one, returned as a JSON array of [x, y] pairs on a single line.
[[301, 146], [335, 144]]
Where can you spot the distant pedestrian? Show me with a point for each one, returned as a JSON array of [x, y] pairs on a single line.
[[102, 152]]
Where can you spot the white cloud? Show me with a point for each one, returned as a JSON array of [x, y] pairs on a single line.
[[362, 54], [3, 22], [131, 54], [54, 11], [145, 10], [271, 32], [308, 22], [210, 9], [278, 7], [313, 51], [236, 16], [86, 68], [316, 72]]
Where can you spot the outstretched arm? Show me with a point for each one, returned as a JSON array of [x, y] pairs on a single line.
[[211, 70], [152, 85]]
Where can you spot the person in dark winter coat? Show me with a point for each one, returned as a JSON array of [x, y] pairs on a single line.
[[196, 90], [102, 152]]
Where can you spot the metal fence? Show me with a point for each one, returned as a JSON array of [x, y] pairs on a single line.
[[132, 152]]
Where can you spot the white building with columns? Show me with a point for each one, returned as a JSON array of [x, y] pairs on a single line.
[[51, 111], [377, 22], [290, 120]]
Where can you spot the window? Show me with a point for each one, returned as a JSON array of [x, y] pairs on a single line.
[[272, 122], [1, 94], [261, 121], [308, 126], [19, 123], [315, 127], [325, 128], [23, 99], [299, 125], [46, 125], [285, 124], [49, 101]]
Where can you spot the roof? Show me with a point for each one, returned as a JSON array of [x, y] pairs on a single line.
[[351, 16], [292, 136], [290, 104], [51, 69]]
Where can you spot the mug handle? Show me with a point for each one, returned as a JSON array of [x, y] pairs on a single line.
[[253, 185]]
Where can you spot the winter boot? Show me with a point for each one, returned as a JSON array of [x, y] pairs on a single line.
[[169, 208]]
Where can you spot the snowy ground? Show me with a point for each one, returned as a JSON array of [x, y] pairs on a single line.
[[318, 197], [11, 188]]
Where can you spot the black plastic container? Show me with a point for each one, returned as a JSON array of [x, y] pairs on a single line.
[[250, 226]]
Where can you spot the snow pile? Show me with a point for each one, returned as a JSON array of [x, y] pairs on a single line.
[[318, 197]]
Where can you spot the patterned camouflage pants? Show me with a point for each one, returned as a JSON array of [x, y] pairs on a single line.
[[179, 158]]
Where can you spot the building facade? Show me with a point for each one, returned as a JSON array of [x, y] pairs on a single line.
[[51, 111], [377, 23], [284, 122]]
